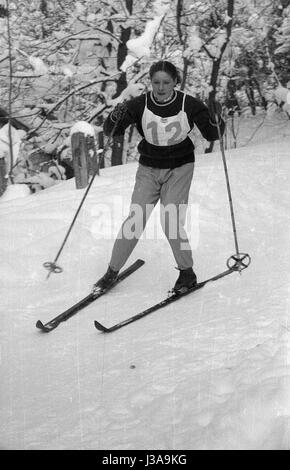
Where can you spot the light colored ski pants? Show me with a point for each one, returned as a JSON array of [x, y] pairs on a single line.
[[171, 187]]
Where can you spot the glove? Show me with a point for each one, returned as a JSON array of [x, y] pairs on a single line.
[[215, 109], [119, 112]]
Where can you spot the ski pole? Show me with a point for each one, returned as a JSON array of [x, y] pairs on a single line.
[[52, 266], [241, 260]]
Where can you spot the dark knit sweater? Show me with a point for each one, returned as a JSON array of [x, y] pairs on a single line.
[[170, 156]]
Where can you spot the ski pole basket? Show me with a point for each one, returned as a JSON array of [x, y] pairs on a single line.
[[239, 261], [52, 267]]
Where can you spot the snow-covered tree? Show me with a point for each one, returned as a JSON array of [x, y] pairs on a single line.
[[72, 61]]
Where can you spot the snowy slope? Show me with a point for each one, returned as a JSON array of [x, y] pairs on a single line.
[[209, 372]]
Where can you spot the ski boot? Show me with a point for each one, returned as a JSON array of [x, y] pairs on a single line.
[[106, 281], [186, 280]]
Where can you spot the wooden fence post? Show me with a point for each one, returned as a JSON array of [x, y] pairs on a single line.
[[85, 161], [101, 146]]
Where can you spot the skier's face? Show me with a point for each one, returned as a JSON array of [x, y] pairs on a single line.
[[163, 85]]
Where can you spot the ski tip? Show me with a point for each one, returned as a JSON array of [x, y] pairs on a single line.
[[101, 327], [39, 325], [43, 327], [140, 262]]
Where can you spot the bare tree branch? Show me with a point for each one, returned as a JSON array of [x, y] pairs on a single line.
[[4, 58]]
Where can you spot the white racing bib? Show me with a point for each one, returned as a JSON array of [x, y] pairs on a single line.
[[165, 131]]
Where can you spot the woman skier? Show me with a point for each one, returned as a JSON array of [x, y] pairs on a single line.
[[164, 117]]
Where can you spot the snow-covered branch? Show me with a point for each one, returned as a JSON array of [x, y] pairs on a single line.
[[140, 47], [73, 92]]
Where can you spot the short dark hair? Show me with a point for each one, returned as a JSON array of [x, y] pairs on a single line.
[[164, 66]]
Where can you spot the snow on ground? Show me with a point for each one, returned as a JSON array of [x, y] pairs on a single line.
[[209, 372]]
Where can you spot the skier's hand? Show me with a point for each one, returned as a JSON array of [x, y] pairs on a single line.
[[119, 111], [215, 111]]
